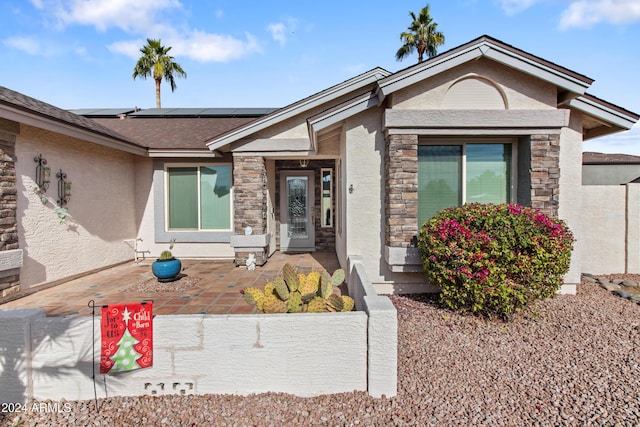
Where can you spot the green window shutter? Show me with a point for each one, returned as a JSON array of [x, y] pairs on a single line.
[[488, 173], [439, 179], [183, 198], [215, 197]]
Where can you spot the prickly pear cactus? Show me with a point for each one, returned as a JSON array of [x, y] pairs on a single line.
[[326, 288], [347, 303], [290, 277], [299, 293], [254, 296], [338, 277], [272, 304], [282, 291], [269, 288], [309, 287], [317, 305], [294, 303], [334, 303]]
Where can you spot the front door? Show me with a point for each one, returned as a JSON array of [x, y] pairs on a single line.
[[297, 226]]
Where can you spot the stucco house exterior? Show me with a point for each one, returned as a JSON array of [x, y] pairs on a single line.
[[354, 169]]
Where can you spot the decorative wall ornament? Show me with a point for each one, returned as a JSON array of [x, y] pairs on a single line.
[[64, 189]]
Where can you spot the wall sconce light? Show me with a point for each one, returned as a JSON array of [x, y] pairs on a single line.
[[43, 172], [64, 188], [303, 163]]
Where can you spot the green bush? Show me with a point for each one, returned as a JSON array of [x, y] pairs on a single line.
[[493, 260]]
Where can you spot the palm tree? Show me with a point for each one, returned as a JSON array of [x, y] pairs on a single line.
[[422, 35], [157, 63]]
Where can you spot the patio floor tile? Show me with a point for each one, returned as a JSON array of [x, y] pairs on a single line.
[[217, 291]]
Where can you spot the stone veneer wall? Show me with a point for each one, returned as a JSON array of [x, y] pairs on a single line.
[[401, 184], [9, 284], [250, 201], [545, 173], [401, 187]]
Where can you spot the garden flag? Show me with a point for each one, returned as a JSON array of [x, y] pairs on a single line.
[[127, 337]]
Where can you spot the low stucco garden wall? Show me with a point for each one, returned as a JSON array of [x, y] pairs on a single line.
[[304, 354], [610, 229]]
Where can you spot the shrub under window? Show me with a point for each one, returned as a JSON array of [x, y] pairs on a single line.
[[493, 260]]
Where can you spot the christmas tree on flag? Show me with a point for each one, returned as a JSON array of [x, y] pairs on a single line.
[[127, 337], [126, 355]]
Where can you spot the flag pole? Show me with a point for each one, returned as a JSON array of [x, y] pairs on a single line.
[[92, 305]]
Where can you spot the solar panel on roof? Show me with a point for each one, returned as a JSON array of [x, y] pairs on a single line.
[[101, 112]]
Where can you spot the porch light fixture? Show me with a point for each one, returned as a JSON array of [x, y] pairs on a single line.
[[303, 163], [64, 189], [43, 172]]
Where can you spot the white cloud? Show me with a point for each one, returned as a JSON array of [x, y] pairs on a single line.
[[277, 32], [132, 16], [206, 47], [29, 45], [585, 13], [280, 31], [198, 45], [38, 46]]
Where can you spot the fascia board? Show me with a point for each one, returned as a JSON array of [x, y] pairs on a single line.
[[334, 116], [435, 66], [183, 153], [40, 122], [298, 108], [603, 113], [346, 110], [512, 59], [536, 69]]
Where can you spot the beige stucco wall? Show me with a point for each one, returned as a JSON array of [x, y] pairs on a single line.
[[570, 198], [603, 221], [521, 90], [100, 211]]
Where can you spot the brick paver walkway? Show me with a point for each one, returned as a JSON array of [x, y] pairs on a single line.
[[216, 292]]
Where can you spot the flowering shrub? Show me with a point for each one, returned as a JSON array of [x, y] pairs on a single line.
[[493, 260]]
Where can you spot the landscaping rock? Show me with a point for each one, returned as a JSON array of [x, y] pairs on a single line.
[[617, 281], [611, 287], [589, 278], [623, 294], [630, 283]]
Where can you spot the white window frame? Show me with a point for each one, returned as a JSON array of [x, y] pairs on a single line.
[[472, 140], [168, 166]]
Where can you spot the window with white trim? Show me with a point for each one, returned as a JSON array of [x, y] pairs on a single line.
[[454, 173], [198, 197]]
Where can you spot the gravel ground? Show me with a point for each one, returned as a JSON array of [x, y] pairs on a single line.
[[571, 360]]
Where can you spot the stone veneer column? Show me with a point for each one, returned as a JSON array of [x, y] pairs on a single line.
[[249, 204], [545, 173], [401, 188], [9, 279]]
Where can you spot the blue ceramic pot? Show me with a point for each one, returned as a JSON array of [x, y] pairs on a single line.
[[166, 270]]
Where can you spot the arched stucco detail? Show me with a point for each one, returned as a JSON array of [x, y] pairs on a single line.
[[475, 92]]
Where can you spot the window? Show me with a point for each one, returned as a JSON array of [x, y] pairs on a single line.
[[326, 199], [198, 197], [456, 173]]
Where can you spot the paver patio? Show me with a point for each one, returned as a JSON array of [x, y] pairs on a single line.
[[216, 292]]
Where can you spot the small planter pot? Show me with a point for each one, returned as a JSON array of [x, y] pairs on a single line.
[[166, 270]]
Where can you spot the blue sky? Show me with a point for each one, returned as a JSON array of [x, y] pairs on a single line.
[[81, 53]]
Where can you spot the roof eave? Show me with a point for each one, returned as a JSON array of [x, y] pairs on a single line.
[[616, 118], [494, 50], [75, 131], [297, 108]]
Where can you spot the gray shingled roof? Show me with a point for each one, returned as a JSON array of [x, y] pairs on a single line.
[[593, 158], [39, 108], [172, 132]]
